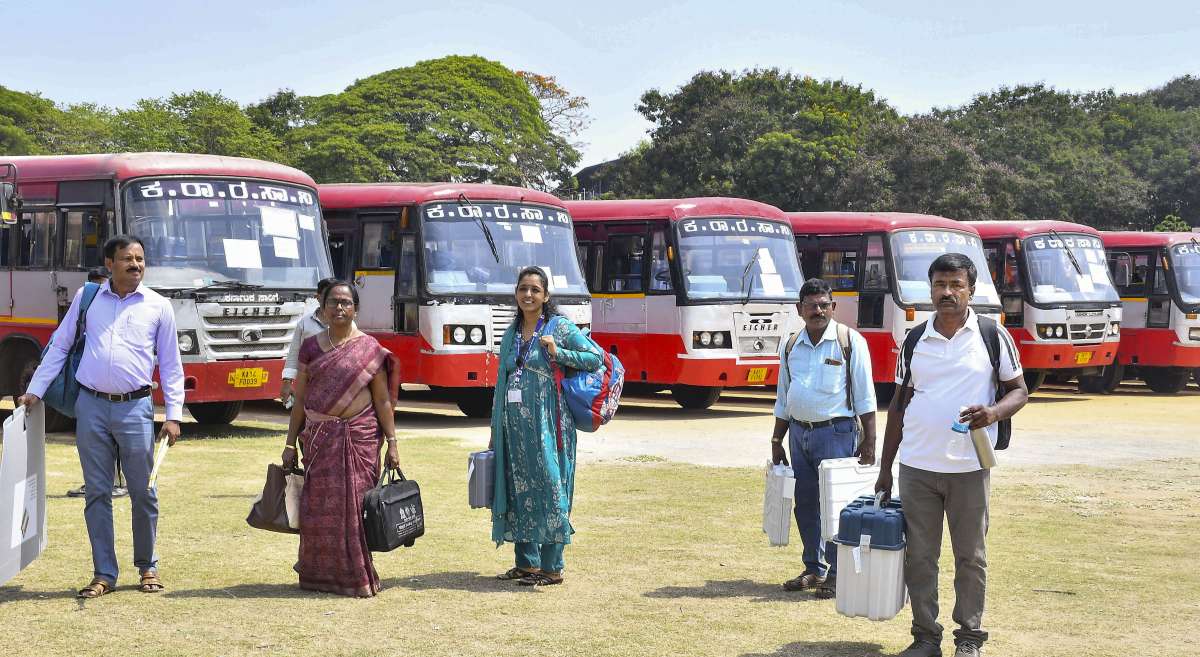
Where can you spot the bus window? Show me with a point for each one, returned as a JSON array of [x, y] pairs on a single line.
[[1160, 280], [406, 285], [7, 235], [378, 250], [875, 275], [37, 238], [593, 256], [624, 263], [81, 245], [839, 268], [660, 267]]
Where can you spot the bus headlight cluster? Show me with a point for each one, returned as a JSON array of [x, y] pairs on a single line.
[[1114, 328], [188, 344], [1194, 333], [462, 334], [1048, 331], [711, 339]]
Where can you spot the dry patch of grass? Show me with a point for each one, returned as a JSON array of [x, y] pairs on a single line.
[[669, 559]]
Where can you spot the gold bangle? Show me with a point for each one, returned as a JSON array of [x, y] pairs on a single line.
[[287, 446], [390, 439], [777, 441]]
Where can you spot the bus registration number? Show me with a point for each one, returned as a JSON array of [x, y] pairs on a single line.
[[756, 375], [1083, 358], [248, 377]]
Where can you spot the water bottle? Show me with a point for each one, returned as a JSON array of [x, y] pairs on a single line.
[[979, 440]]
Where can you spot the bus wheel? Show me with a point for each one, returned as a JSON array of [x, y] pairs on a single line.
[[55, 421], [1105, 382], [695, 397], [1034, 380], [883, 394], [215, 412], [1166, 380], [475, 402]]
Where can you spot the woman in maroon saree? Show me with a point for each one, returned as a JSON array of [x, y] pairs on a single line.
[[345, 389]]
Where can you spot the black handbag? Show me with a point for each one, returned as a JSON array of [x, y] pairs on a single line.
[[392, 512]]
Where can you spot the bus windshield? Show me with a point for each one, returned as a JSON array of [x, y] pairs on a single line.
[[1068, 268], [460, 238], [914, 250], [1185, 261], [739, 258], [201, 230]]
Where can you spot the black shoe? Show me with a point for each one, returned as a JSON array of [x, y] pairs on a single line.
[[119, 491], [78, 492]]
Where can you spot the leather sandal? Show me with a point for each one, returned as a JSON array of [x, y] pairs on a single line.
[[97, 588], [514, 573], [150, 582], [540, 579], [806, 580]]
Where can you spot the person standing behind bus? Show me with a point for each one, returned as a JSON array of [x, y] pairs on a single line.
[[308, 326], [533, 434], [818, 397], [950, 369], [128, 327]]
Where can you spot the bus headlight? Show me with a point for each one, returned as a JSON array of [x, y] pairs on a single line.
[[704, 338], [1060, 331], [188, 344], [719, 339], [1048, 331], [1194, 333], [711, 340], [1114, 328], [456, 334]]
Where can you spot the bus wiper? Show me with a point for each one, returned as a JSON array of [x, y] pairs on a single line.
[[229, 285], [745, 273], [1074, 262], [487, 232]]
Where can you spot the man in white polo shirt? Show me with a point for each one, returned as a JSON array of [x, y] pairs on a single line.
[[940, 474]]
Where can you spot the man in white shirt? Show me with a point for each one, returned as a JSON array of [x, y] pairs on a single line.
[[940, 474]]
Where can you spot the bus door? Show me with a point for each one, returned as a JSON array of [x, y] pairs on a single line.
[[625, 278], [341, 252], [1142, 284], [405, 301], [375, 274], [1006, 273], [34, 297], [840, 257]]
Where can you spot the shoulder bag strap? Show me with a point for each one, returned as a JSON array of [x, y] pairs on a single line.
[[85, 302]]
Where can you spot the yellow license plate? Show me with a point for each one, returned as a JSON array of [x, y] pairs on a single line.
[[1083, 358], [248, 377], [756, 375]]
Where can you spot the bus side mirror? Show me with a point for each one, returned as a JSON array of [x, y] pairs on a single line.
[[8, 203]]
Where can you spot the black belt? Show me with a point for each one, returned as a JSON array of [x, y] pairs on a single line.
[[822, 423], [143, 391]]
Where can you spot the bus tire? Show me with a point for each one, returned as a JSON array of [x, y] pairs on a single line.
[[215, 412], [695, 397], [1165, 380], [1034, 379], [475, 402], [1105, 382], [55, 421]]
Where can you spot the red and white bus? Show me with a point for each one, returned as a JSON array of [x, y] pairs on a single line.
[[1059, 301], [235, 244], [878, 266], [692, 294], [436, 266], [1158, 277]]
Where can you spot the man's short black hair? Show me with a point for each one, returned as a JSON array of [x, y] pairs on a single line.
[[324, 285], [340, 283], [816, 287], [97, 275], [118, 242], [950, 262]]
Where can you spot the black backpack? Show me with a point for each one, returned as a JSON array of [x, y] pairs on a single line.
[[990, 330]]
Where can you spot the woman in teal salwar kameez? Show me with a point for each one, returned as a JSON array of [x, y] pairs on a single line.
[[533, 434]]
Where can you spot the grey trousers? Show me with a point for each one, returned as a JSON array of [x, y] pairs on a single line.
[[962, 498]]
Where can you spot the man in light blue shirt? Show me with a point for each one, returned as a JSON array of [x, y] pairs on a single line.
[[129, 328], [818, 396]]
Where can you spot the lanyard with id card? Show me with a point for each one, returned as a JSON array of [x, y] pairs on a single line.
[[523, 350]]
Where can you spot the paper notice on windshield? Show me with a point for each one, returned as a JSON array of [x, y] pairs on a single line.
[[242, 254], [766, 264], [559, 281], [279, 221], [1100, 275], [287, 248], [1085, 285], [531, 234], [772, 285], [549, 276], [307, 222]]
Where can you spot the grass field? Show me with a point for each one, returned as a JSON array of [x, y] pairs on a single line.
[[668, 559]]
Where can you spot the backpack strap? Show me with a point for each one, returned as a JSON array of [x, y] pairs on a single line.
[[906, 353], [990, 330], [843, 338], [787, 352], [85, 302]]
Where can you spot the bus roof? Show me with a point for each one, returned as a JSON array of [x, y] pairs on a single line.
[[1023, 229], [673, 209], [344, 196], [124, 166], [1136, 238], [841, 223]]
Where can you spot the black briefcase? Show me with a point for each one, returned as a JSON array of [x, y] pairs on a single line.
[[392, 512]]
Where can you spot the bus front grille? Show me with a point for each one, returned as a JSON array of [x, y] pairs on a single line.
[[502, 317]]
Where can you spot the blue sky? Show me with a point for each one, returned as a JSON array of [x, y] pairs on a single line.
[[917, 55]]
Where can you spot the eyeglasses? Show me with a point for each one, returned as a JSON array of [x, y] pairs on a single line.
[[339, 303], [820, 305]]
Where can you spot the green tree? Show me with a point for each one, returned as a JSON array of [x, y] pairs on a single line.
[[195, 122], [26, 120], [765, 134], [1172, 223], [456, 118]]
